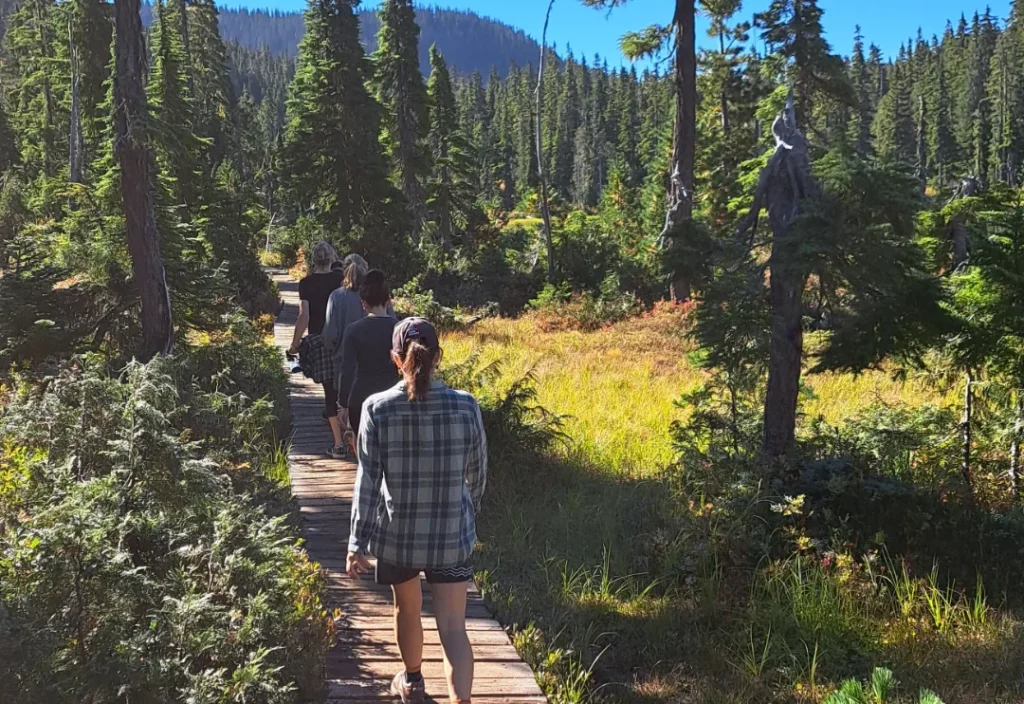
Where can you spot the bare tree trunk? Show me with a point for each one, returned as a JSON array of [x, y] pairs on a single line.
[[270, 228], [922, 147], [75, 142], [965, 431], [680, 192], [786, 350], [1018, 432], [544, 211], [724, 97], [136, 181], [186, 45], [968, 188], [784, 184], [49, 158]]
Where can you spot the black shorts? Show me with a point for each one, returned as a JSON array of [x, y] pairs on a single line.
[[391, 575]]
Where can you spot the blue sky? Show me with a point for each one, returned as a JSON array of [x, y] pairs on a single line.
[[886, 23]]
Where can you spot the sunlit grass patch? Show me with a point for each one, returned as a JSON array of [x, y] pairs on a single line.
[[618, 385], [625, 586]]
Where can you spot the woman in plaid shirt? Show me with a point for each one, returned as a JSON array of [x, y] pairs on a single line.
[[422, 471]]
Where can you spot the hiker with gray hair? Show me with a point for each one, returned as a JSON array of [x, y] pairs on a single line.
[[314, 293]]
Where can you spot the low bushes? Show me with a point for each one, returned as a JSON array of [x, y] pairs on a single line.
[[140, 555]]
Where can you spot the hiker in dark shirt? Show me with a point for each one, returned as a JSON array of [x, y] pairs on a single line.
[[366, 366], [314, 293], [345, 308]]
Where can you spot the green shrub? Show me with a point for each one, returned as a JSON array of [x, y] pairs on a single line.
[[137, 559], [560, 308], [412, 299], [516, 424]]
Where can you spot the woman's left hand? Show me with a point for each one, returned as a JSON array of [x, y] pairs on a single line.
[[356, 564]]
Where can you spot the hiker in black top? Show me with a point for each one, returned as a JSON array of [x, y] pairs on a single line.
[[366, 366], [314, 293]]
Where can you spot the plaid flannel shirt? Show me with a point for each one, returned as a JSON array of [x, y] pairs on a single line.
[[315, 359], [422, 472]]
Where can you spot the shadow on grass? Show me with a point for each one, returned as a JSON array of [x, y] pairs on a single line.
[[613, 572], [626, 590]]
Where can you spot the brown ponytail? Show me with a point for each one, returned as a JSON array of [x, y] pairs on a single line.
[[418, 369]]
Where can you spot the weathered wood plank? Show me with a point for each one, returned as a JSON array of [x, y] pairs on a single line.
[[366, 686]]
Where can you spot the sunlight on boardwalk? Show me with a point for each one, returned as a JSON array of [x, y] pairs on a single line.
[[364, 660]]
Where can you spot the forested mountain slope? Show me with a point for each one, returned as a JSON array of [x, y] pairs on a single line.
[[468, 41]]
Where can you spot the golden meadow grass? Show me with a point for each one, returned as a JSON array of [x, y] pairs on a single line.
[[618, 385], [566, 548]]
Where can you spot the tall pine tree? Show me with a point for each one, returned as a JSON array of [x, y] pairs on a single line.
[[401, 93], [332, 161]]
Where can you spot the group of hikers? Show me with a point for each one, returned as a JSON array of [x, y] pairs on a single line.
[[421, 452]]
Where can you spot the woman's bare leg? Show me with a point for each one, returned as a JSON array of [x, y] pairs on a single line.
[[408, 626], [450, 612], [336, 431]]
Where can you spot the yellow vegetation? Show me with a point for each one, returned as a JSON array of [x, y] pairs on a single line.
[[619, 385]]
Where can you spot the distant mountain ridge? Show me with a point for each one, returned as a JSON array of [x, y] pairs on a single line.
[[468, 41]]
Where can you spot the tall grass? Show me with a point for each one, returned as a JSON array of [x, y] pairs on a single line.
[[617, 386], [624, 584]]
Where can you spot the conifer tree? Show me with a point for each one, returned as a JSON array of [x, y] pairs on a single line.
[[478, 127], [85, 53], [878, 76], [452, 195], [584, 176], [627, 156], [725, 62], [332, 160], [792, 30], [30, 46], [1006, 100], [942, 143], [568, 117], [209, 80], [177, 148], [849, 227], [977, 63], [401, 93], [8, 144], [520, 93], [893, 125], [860, 123]]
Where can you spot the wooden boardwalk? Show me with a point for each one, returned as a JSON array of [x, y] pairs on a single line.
[[365, 658]]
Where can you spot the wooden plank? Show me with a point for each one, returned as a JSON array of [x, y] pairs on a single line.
[[363, 687], [369, 638], [359, 623], [517, 671], [364, 697], [432, 652], [361, 665]]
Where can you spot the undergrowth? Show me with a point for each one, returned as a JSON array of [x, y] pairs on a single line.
[[146, 553], [697, 579]]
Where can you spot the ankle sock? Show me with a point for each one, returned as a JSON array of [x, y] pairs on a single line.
[[414, 676]]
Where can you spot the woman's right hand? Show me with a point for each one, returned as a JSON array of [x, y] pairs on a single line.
[[356, 564]]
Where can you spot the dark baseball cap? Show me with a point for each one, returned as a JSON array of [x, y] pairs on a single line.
[[413, 329]]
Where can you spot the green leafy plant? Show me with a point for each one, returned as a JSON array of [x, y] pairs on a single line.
[[880, 689], [145, 545]]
